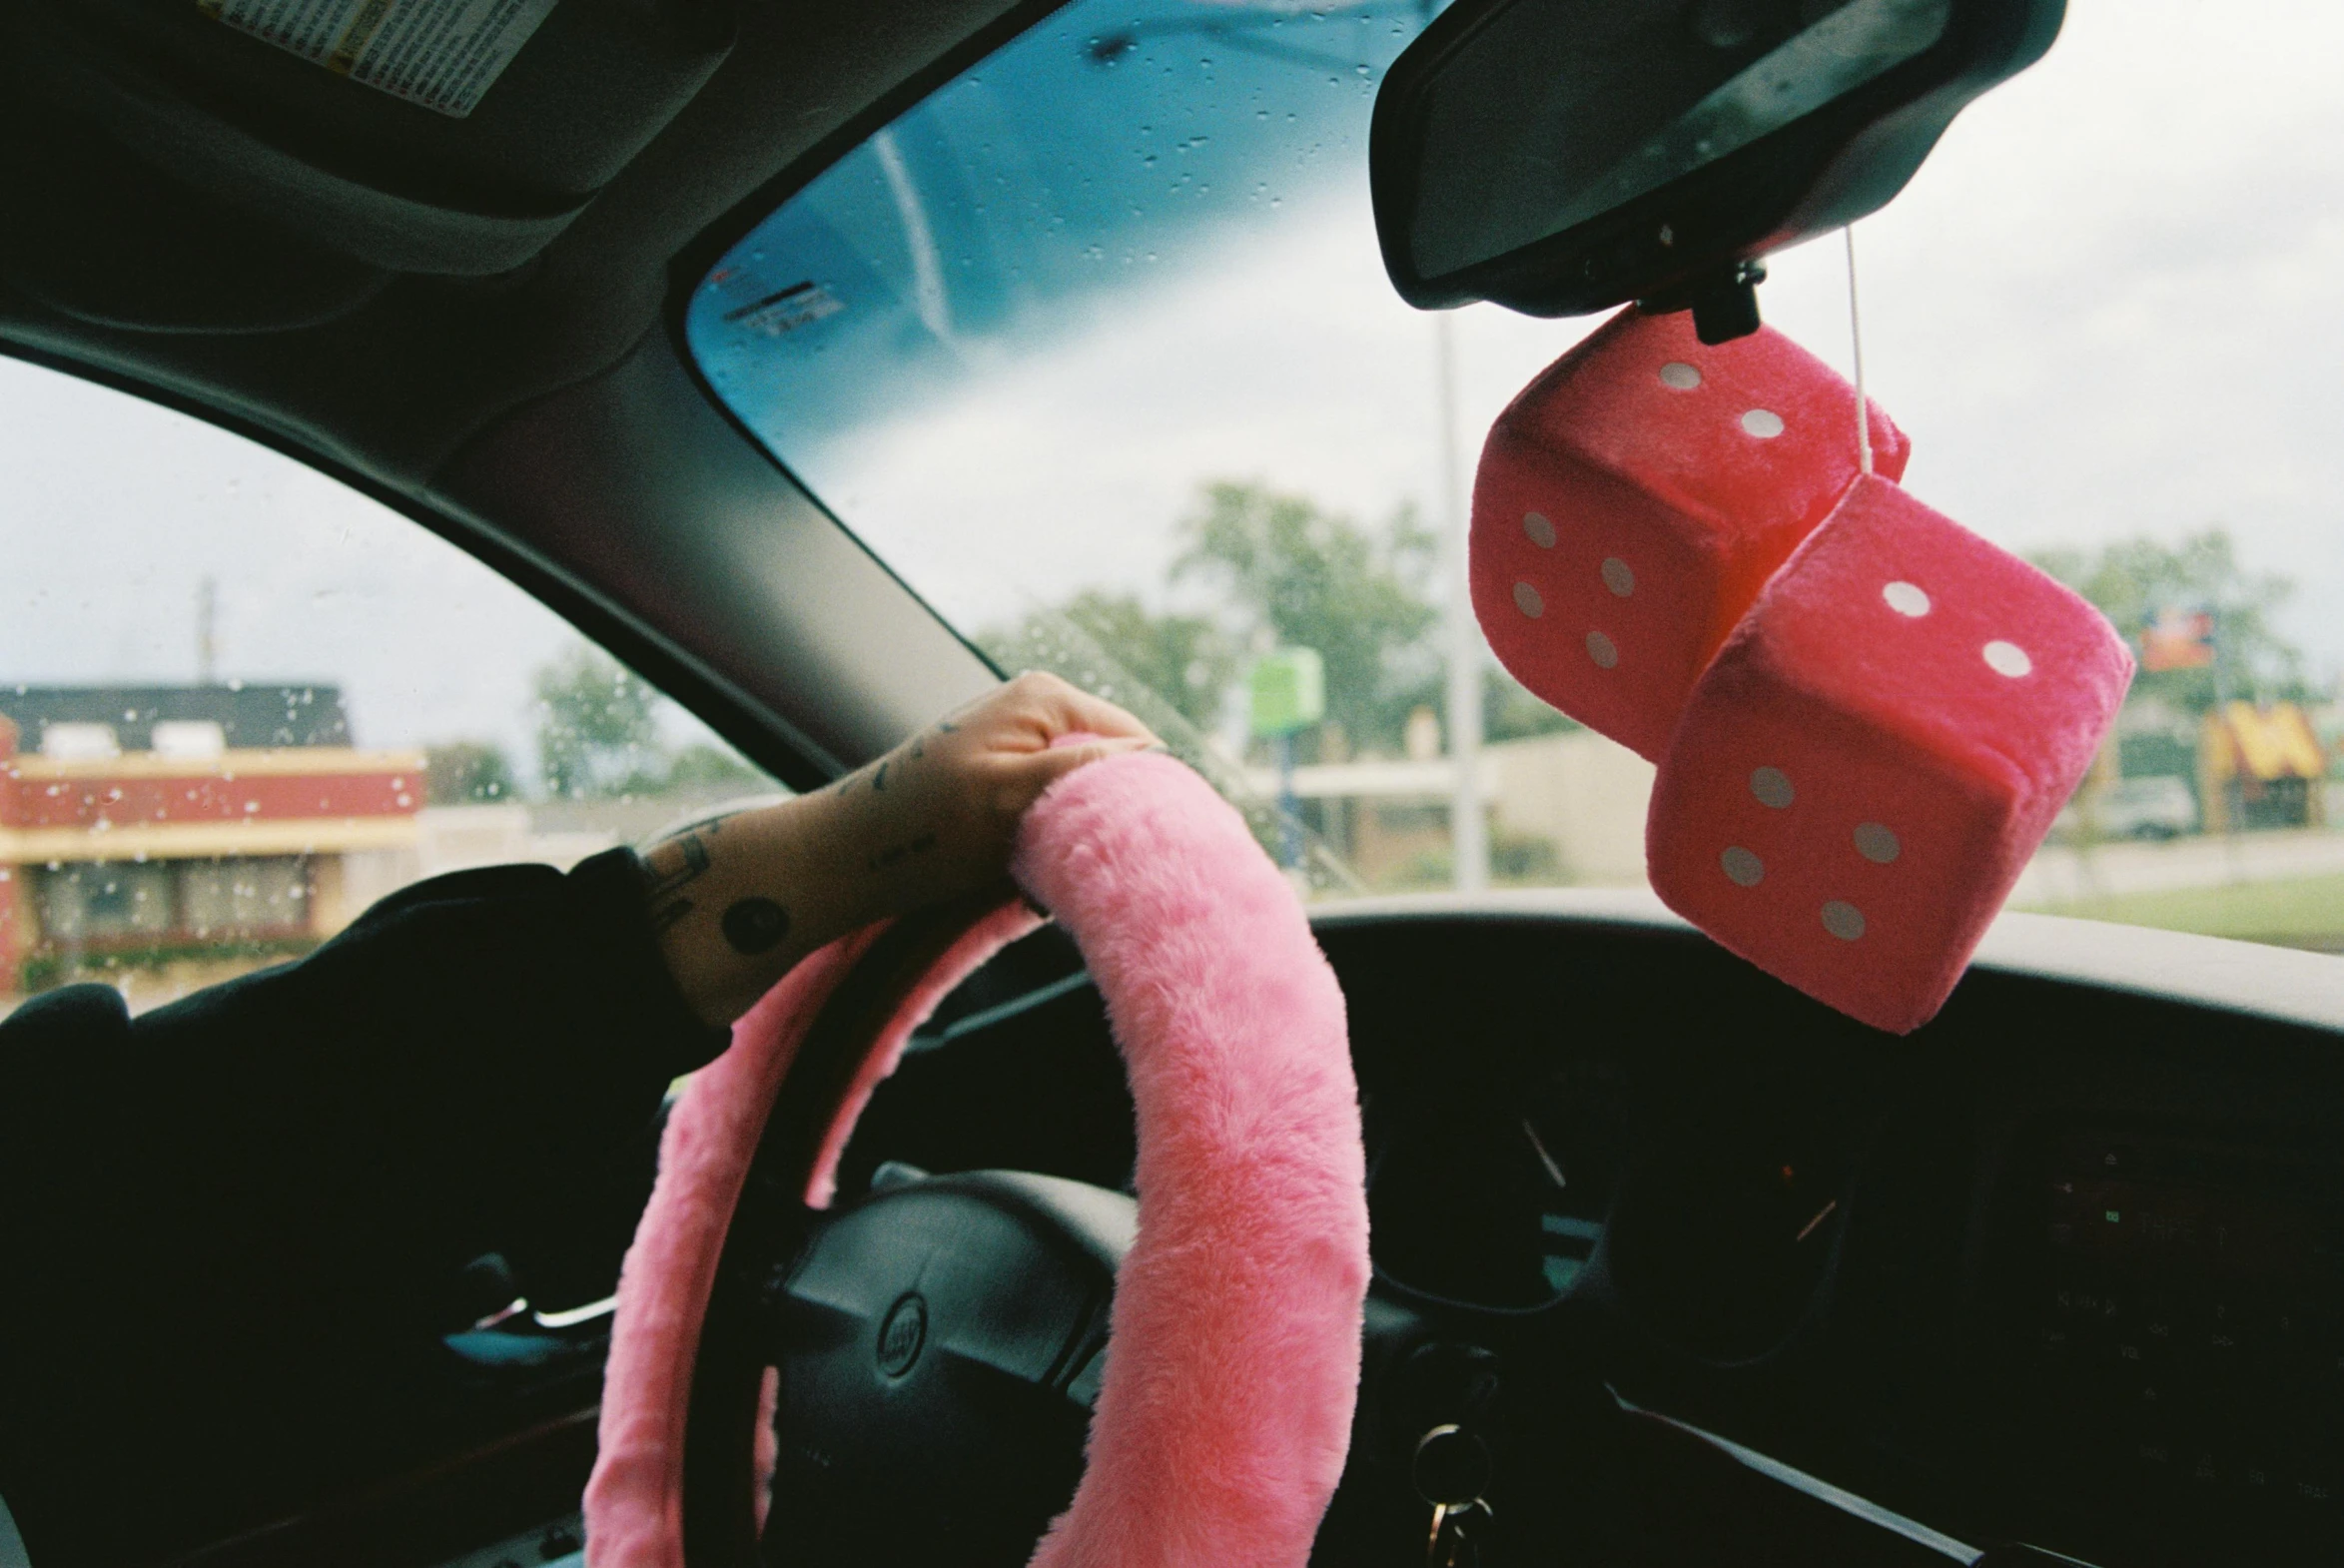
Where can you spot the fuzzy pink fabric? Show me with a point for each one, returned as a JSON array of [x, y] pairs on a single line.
[[1224, 1413], [634, 1499]]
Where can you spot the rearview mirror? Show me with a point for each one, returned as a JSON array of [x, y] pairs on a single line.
[[1562, 156]]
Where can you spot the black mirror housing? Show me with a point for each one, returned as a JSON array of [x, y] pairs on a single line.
[[1560, 157]]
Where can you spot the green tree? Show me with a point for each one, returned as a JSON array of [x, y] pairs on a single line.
[[1184, 659], [2133, 580], [1288, 573], [597, 727], [466, 773], [1510, 712], [1292, 573], [702, 764]]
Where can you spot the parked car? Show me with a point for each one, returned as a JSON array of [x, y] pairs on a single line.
[[2155, 809]]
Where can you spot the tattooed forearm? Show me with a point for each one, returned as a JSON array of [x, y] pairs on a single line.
[[706, 827], [930, 818], [755, 924], [846, 785], [900, 852], [878, 773], [674, 864]]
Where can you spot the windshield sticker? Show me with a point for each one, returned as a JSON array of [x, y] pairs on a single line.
[[441, 54], [784, 310]]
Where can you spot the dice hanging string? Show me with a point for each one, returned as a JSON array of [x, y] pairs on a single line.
[[1856, 339]]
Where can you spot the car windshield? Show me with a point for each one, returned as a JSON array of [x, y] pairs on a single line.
[[1094, 347]]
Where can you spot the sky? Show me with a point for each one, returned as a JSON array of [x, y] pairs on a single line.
[[113, 512], [2102, 308]]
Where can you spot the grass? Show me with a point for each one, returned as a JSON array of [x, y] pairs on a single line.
[[2297, 912], [51, 966]]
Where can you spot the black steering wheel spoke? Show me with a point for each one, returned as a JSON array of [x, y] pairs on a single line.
[[932, 1342]]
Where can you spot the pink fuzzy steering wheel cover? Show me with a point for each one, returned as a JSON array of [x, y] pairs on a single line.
[[1224, 1415]]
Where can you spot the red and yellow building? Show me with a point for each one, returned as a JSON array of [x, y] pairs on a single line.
[[2261, 767], [188, 849]]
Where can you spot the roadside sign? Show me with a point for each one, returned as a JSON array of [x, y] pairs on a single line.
[[1286, 691]]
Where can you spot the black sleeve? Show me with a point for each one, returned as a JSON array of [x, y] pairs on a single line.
[[296, 1163]]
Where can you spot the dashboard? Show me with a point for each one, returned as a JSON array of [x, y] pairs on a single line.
[[2058, 1277], [2059, 1268], [2189, 1320]]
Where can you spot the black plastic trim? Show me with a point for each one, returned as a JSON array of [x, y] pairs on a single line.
[[1820, 172], [2251, 979], [694, 261]]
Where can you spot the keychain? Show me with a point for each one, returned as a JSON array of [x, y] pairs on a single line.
[[1451, 1471]]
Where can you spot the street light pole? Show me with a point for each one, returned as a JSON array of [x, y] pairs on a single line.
[[1469, 830]]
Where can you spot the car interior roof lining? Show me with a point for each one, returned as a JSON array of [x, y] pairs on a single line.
[[401, 380], [458, 401]]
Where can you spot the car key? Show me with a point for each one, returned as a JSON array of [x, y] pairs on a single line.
[[1451, 1471]]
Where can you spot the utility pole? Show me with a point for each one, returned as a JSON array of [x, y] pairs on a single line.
[[206, 631], [2234, 785], [1469, 830]]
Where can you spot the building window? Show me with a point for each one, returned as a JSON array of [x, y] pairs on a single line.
[[130, 903], [244, 896], [107, 901]]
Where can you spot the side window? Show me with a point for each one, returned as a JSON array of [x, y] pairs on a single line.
[[240, 702]]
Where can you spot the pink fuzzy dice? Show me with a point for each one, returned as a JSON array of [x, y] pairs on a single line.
[[1635, 497], [1862, 772]]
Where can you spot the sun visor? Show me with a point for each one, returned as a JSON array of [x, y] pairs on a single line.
[[454, 136], [86, 222]]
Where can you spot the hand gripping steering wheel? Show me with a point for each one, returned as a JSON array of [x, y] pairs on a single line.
[[905, 1378]]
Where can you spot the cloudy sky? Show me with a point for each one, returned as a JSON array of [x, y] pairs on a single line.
[[2104, 307], [112, 511]]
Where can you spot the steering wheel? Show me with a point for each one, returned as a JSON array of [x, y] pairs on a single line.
[[908, 1379]]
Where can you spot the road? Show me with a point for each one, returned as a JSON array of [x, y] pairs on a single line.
[[2060, 875]]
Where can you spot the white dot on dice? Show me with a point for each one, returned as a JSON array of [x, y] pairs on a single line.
[[1843, 920], [1876, 844], [1677, 373], [1526, 600], [1764, 423], [1906, 598], [2007, 658], [1541, 531], [1772, 788], [1619, 577], [1742, 868], [1603, 650]]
